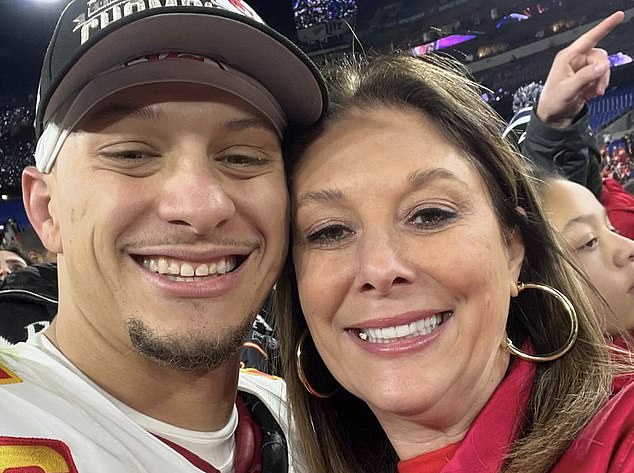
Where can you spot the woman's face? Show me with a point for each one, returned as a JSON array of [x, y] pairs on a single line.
[[606, 256], [404, 273]]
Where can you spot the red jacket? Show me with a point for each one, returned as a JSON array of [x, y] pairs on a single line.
[[620, 206], [606, 445]]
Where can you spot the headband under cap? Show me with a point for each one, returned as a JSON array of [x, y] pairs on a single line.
[[154, 69]]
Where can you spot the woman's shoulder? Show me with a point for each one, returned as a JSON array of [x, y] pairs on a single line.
[[606, 444]]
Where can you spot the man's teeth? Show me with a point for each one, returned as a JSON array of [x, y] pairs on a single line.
[[399, 332], [176, 268]]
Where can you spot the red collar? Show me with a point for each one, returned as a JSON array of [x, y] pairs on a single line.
[[605, 444], [484, 447]]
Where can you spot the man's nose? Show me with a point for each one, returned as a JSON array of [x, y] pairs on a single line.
[[197, 195]]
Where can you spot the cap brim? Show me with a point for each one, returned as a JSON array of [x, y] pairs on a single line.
[[245, 44]]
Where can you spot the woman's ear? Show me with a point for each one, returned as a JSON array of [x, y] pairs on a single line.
[[37, 198], [516, 252]]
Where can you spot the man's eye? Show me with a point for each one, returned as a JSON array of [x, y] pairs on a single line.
[[328, 235], [16, 265], [432, 217], [130, 154], [243, 160]]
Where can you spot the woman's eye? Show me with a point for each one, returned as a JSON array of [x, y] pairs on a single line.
[[590, 244], [328, 235], [432, 217]]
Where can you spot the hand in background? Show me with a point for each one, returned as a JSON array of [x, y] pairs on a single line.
[[579, 73]]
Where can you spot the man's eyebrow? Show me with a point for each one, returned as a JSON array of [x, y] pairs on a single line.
[[14, 259], [241, 124], [116, 111]]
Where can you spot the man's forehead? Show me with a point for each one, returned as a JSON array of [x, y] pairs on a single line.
[[167, 106], [8, 255]]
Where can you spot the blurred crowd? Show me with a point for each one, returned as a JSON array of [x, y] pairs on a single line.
[[487, 262], [17, 144], [616, 156], [312, 12]]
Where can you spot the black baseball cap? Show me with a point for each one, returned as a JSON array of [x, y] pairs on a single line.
[[95, 36]]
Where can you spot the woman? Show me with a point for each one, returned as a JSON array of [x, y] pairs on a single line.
[[605, 256], [415, 226]]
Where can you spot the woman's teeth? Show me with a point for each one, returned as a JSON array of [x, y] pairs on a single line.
[[400, 332]]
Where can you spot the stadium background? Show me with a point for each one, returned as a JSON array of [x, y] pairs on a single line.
[[505, 43]]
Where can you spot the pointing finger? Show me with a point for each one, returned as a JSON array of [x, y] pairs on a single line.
[[591, 38]]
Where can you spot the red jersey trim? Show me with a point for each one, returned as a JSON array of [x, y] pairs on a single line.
[[27, 454], [7, 376]]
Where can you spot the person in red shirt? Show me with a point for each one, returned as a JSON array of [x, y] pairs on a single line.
[[606, 256], [430, 321], [620, 206]]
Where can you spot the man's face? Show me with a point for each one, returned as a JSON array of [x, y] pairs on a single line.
[[170, 212], [9, 262]]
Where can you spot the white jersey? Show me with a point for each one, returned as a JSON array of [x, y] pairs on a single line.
[[54, 419]]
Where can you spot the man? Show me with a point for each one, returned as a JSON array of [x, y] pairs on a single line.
[[11, 258], [160, 186]]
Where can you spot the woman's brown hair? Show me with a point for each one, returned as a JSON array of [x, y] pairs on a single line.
[[341, 434]]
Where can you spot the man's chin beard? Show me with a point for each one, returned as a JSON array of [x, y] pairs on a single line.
[[188, 351]]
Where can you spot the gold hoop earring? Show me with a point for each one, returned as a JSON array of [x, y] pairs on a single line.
[[574, 327], [302, 375]]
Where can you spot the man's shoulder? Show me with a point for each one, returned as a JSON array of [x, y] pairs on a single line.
[[264, 390], [22, 357], [252, 374], [265, 396], [268, 388], [30, 375], [48, 410]]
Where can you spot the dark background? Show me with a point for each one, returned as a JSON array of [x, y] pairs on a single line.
[[26, 27], [379, 25]]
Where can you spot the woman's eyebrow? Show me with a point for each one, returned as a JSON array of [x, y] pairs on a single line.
[[416, 180], [322, 196], [584, 218], [422, 177]]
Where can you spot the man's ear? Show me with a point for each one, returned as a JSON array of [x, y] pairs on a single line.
[[35, 257], [37, 198]]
